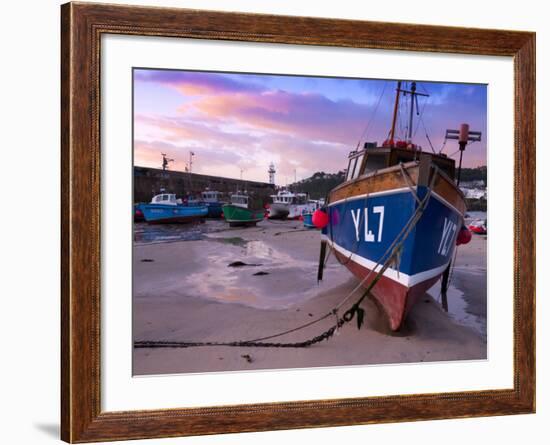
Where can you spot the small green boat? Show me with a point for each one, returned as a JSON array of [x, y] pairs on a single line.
[[239, 213]]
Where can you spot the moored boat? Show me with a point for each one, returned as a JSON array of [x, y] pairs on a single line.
[[165, 208], [401, 206], [308, 220], [211, 199], [289, 205], [241, 211], [307, 215]]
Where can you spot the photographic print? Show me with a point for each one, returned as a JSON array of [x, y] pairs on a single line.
[[273, 218], [287, 221]]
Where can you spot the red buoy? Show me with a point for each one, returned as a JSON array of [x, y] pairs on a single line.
[[464, 236], [319, 218]]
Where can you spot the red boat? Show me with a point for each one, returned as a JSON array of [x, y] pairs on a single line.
[[479, 227]]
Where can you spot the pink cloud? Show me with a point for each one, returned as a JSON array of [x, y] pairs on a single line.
[[177, 129], [311, 116]]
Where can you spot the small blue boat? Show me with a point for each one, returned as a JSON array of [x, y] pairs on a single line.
[[165, 208], [307, 215], [308, 220]]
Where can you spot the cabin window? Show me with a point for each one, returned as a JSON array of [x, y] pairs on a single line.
[[358, 166], [375, 162], [351, 168], [354, 169]]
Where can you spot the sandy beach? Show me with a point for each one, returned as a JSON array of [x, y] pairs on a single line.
[[187, 291]]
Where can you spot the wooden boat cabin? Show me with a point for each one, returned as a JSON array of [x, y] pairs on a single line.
[[372, 158]]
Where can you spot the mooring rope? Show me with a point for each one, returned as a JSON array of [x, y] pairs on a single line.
[[346, 318], [408, 182]]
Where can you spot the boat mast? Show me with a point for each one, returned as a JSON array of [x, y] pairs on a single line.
[[413, 96], [414, 100], [392, 132]]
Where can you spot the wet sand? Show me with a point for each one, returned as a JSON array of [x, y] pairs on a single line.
[[186, 291]]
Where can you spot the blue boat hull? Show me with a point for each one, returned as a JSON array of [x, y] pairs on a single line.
[[361, 230], [169, 214], [308, 221], [214, 209]]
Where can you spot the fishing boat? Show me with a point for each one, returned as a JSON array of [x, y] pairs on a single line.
[[242, 211], [165, 208], [289, 205], [400, 207], [211, 199]]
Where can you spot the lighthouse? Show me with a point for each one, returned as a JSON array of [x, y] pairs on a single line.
[[271, 172]]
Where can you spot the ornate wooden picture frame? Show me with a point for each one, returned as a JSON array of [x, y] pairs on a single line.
[[82, 27]]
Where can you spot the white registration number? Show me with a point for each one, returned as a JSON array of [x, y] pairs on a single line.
[[447, 237], [363, 223]]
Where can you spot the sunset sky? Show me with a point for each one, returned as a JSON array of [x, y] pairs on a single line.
[[235, 122]]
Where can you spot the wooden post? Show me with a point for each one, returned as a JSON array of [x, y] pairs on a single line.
[[321, 260], [444, 286]]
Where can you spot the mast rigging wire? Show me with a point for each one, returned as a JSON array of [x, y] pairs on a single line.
[[366, 130]]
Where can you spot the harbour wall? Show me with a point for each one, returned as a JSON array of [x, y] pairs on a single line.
[[149, 182]]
